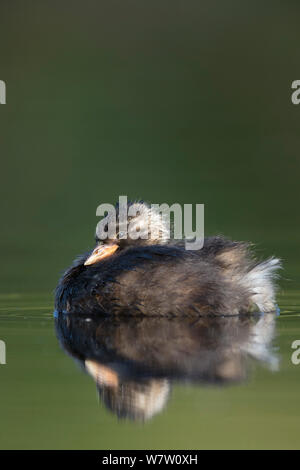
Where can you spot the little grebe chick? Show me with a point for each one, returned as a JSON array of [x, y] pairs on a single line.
[[158, 276]]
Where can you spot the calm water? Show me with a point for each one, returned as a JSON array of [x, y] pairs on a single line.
[[180, 383]]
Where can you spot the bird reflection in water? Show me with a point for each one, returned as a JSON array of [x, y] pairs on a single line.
[[135, 360]]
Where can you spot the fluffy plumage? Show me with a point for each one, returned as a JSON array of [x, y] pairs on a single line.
[[160, 277]]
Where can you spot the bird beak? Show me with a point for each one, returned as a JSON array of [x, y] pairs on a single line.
[[101, 252], [103, 375]]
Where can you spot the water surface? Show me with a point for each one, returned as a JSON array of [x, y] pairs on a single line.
[[49, 401]]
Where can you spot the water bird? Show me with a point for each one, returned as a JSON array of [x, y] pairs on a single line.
[[157, 276]]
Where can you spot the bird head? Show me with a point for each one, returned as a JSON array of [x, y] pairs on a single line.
[[141, 225]]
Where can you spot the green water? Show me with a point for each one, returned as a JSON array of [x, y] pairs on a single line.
[[48, 402]]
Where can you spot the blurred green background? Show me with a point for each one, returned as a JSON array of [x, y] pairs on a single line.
[[168, 101], [185, 102]]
